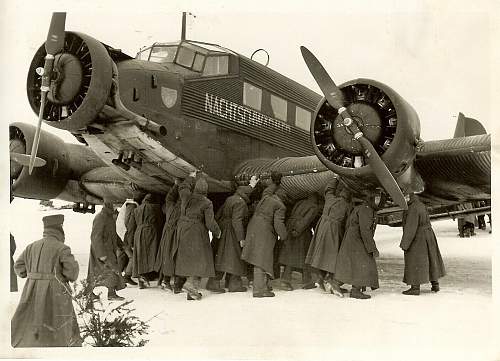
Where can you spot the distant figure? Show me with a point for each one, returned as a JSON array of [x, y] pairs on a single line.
[[423, 261], [103, 264], [167, 250], [325, 245], [194, 253], [232, 219], [466, 223], [294, 250], [45, 316], [13, 277], [356, 259], [266, 224], [146, 223]]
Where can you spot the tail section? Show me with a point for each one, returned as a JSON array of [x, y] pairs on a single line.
[[467, 127]]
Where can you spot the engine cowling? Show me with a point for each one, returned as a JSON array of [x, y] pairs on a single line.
[[81, 83], [45, 182], [384, 117]]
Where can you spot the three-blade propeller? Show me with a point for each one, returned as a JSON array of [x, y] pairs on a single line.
[[53, 45], [335, 98]]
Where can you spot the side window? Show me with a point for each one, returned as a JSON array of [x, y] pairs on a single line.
[[216, 65], [252, 96], [279, 106], [302, 118], [185, 57], [198, 62]]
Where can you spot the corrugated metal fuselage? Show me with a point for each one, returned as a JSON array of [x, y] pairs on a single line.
[[207, 125]]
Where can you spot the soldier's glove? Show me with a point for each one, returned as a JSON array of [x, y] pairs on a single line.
[[242, 243], [103, 258], [375, 254]]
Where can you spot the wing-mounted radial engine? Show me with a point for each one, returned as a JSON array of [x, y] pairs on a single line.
[[365, 132], [58, 176], [79, 85], [75, 83]]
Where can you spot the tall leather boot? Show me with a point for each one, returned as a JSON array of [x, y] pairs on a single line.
[[286, 279], [260, 288], [178, 283], [414, 290], [191, 287], [434, 286], [356, 293], [235, 283], [213, 285]]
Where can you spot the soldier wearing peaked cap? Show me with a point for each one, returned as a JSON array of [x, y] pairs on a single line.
[[45, 316], [104, 242]]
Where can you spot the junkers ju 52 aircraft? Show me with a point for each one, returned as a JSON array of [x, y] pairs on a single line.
[[189, 105]]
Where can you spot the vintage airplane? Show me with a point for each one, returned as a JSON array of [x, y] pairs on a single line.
[[189, 105]]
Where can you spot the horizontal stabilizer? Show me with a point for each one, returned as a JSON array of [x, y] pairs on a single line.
[[467, 127]]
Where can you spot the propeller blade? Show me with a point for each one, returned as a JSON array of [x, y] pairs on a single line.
[[383, 174], [55, 37], [330, 90], [24, 160], [36, 140]]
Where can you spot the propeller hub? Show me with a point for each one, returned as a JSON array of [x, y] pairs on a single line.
[[66, 80], [366, 118]]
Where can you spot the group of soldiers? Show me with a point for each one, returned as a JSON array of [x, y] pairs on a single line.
[[253, 236], [256, 240]]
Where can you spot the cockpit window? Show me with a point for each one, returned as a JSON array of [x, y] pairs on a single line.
[[185, 57], [143, 54], [163, 54], [198, 62], [216, 65]]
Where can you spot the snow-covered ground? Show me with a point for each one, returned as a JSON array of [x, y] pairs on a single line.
[[460, 322]]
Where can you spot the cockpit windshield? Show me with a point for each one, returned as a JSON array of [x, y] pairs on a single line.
[[163, 54], [208, 59]]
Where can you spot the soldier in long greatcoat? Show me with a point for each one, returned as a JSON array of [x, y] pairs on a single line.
[[146, 223], [45, 316], [232, 219], [325, 245], [423, 261], [122, 222], [294, 250], [194, 253], [266, 224], [356, 258], [167, 251], [104, 243]]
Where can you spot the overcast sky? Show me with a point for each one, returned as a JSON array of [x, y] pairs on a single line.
[[438, 57]]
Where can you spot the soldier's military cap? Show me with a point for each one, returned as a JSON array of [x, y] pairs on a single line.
[[53, 220]]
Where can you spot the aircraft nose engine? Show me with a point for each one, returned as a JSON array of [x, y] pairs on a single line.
[[80, 82], [356, 120]]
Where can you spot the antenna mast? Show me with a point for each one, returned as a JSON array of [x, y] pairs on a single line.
[[183, 31]]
